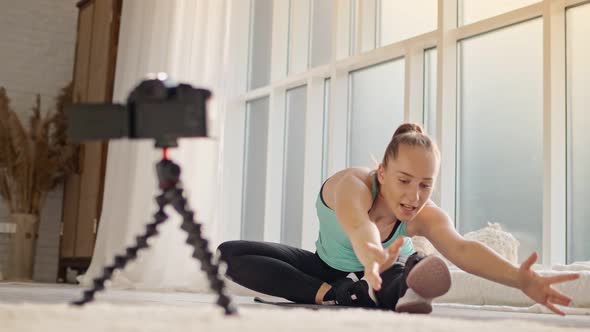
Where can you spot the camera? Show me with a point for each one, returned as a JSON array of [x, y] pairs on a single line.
[[156, 108]]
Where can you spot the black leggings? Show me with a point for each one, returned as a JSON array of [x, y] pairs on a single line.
[[295, 274]]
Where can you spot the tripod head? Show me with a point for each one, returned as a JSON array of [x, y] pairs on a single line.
[[156, 108]]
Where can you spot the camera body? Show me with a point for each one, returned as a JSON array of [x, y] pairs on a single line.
[[157, 108]]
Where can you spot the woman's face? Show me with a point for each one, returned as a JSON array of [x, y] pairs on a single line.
[[407, 181]]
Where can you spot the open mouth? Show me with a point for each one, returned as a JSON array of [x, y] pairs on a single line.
[[408, 208]]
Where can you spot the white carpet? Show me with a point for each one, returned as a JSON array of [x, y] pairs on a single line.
[[146, 318]]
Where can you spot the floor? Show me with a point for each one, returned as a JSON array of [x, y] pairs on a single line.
[[64, 293]]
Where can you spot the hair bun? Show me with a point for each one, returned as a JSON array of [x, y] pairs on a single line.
[[408, 128]]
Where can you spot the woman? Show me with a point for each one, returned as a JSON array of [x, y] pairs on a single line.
[[365, 216]]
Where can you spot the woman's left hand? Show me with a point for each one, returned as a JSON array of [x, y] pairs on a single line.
[[539, 288], [383, 259]]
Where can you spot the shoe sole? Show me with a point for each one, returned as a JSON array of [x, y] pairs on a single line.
[[430, 278], [414, 308]]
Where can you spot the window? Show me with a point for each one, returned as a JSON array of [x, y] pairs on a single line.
[[254, 186], [470, 11], [260, 43], [321, 38], [399, 19], [429, 102], [500, 127], [325, 126], [377, 62], [578, 104], [299, 14], [294, 166], [376, 110]]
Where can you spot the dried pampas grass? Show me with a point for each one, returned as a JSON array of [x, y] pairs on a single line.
[[33, 160]]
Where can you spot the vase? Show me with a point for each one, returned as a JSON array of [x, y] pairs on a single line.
[[23, 246]]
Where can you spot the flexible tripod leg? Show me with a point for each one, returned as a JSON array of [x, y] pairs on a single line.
[[201, 250], [130, 254], [169, 175]]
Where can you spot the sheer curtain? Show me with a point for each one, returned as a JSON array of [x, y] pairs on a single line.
[[188, 40]]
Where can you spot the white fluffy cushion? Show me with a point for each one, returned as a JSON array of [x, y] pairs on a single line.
[[502, 242]]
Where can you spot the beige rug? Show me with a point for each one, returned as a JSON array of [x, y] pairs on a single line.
[[147, 318]]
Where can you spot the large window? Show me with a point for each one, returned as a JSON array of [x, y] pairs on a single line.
[[294, 166], [500, 143], [578, 103], [376, 110], [255, 169], [501, 85]]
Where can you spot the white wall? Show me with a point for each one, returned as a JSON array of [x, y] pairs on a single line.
[[37, 43]]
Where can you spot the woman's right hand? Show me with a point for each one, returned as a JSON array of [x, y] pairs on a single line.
[[380, 259]]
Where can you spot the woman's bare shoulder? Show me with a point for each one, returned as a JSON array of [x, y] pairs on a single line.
[[431, 214], [362, 174], [340, 180]]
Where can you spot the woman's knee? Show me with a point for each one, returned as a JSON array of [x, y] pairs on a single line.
[[229, 249]]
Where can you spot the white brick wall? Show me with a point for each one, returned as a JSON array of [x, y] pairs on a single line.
[[37, 49]]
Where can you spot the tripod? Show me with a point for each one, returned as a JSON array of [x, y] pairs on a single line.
[[171, 193]]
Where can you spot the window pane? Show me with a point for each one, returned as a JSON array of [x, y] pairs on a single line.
[[260, 43], [475, 10], [294, 166], [578, 81], [400, 19], [299, 20], [255, 169], [321, 39], [501, 133], [325, 133], [430, 58], [376, 110]]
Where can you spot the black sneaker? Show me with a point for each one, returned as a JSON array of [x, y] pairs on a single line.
[[359, 293], [339, 292], [350, 293]]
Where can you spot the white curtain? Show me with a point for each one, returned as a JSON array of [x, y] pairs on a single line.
[[188, 40]]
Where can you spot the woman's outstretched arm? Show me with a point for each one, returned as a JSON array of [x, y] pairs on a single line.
[[352, 199], [476, 258]]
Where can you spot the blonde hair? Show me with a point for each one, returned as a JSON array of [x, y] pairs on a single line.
[[410, 134]]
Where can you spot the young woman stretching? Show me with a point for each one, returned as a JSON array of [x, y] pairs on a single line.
[[366, 217]]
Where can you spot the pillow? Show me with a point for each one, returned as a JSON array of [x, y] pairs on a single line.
[[502, 242]]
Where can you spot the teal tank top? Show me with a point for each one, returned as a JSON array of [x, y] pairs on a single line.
[[333, 245]]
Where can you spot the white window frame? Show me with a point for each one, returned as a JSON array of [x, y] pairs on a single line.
[[353, 40]]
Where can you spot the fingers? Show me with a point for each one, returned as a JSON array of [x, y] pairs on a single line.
[[559, 300], [378, 253], [528, 263], [396, 246], [556, 296], [554, 308], [394, 249], [561, 278], [372, 275]]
